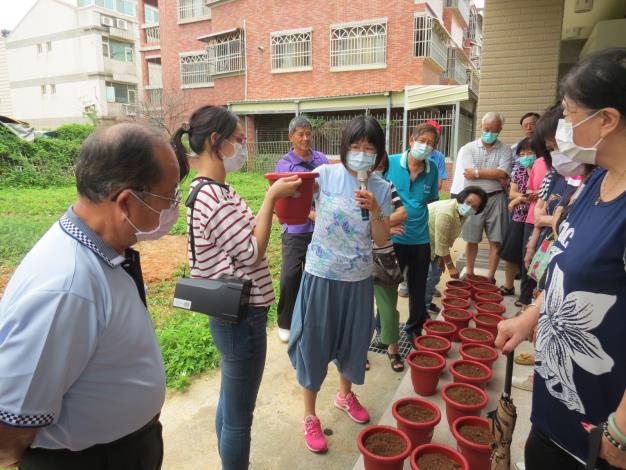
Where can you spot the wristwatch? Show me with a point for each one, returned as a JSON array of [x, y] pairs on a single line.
[[476, 173]]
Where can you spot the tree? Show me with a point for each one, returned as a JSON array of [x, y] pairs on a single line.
[[166, 110]]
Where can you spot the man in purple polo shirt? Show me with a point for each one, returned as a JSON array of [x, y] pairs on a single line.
[[296, 238]]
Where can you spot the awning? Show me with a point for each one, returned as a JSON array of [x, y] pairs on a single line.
[[425, 96], [220, 33]]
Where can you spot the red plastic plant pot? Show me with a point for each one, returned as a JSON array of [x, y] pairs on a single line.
[[483, 287], [486, 338], [458, 317], [419, 432], [449, 302], [440, 328], [488, 322], [295, 210], [425, 377], [474, 278], [421, 344], [487, 356], [454, 284], [378, 462], [477, 455], [456, 293], [438, 449], [455, 409], [459, 377], [491, 308], [493, 297]]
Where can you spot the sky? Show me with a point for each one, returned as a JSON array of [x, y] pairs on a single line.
[[12, 11]]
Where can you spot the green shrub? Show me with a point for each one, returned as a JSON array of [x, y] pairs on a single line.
[[75, 132]]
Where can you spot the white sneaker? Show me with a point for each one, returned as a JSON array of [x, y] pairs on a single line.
[[403, 290], [520, 466], [283, 335]]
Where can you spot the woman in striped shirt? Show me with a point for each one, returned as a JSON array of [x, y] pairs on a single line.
[[231, 242]]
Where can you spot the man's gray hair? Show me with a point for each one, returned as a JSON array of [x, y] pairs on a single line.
[[119, 157], [299, 122], [492, 116]]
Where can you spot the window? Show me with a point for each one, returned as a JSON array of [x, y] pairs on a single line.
[[430, 39], [39, 48], [358, 45], [49, 46], [225, 53], [125, 7], [151, 14], [193, 10], [121, 93], [291, 50], [53, 89], [115, 50], [194, 70], [43, 89]]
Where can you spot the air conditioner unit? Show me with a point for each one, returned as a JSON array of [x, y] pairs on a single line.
[[107, 20], [122, 24]]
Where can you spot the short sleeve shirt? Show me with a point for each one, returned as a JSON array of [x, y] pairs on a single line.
[[520, 178], [415, 195], [537, 175], [341, 247], [80, 359], [440, 161], [580, 372], [498, 157]]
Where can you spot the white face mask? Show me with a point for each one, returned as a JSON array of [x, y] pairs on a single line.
[[360, 161], [167, 219], [238, 158], [565, 166], [565, 140], [421, 150]]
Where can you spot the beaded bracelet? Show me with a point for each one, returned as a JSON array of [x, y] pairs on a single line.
[[614, 429], [610, 438]]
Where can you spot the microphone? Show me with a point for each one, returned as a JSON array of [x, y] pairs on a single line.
[[362, 178]]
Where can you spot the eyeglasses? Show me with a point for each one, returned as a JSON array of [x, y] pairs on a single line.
[[178, 196]]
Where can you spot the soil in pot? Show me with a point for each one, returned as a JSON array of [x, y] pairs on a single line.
[[456, 302], [477, 351], [385, 444], [464, 395], [462, 293], [416, 413], [476, 335], [425, 361], [489, 297], [496, 308], [457, 314], [486, 319], [440, 327], [437, 461], [476, 278], [477, 434], [469, 370], [433, 343]]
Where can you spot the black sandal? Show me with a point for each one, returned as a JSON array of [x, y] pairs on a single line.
[[395, 360], [504, 291]]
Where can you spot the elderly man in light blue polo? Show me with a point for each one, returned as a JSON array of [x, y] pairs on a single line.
[[487, 163], [81, 373]]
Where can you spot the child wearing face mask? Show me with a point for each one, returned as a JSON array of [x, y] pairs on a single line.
[[333, 318], [230, 241]]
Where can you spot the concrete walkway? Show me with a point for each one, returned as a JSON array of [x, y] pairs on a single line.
[[277, 435]]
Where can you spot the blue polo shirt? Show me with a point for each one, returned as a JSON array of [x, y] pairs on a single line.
[[440, 160], [415, 195]]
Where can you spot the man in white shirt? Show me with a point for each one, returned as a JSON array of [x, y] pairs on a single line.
[[81, 376]]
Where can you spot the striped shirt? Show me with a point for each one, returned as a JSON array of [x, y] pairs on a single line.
[[396, 202], [223, 226], [475, 155]]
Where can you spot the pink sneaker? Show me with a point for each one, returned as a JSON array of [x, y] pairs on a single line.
[[313, 435], [350, 404]]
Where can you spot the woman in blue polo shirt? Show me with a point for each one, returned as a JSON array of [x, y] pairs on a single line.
[[416, 178]]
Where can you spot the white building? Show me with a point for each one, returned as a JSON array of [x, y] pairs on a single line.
[[5, 90], [71, 57]]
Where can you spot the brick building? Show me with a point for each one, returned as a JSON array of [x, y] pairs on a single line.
[[403, 61]]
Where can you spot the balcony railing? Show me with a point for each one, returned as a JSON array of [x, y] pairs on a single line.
[[155, 96], [462, 6], [430, 39], [152, 34], [473, 80], [129, 110], [457, 65]]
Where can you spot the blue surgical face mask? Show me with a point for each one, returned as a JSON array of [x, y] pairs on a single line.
[[489, 137], [466, 210], [527, 160], [360, 161], [421, 150]]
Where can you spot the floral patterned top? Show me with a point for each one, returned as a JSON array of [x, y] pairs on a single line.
[[520, 178], [341, 248]]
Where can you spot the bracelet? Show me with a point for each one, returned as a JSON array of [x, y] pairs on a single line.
[[378, 218], [614, 429], [610, 438]]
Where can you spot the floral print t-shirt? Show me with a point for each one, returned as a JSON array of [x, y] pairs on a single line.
[[520, 178]]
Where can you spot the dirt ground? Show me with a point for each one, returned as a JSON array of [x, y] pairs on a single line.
[[160, 258]]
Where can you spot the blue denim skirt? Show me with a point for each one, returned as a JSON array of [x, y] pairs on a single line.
[[332, 321]]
